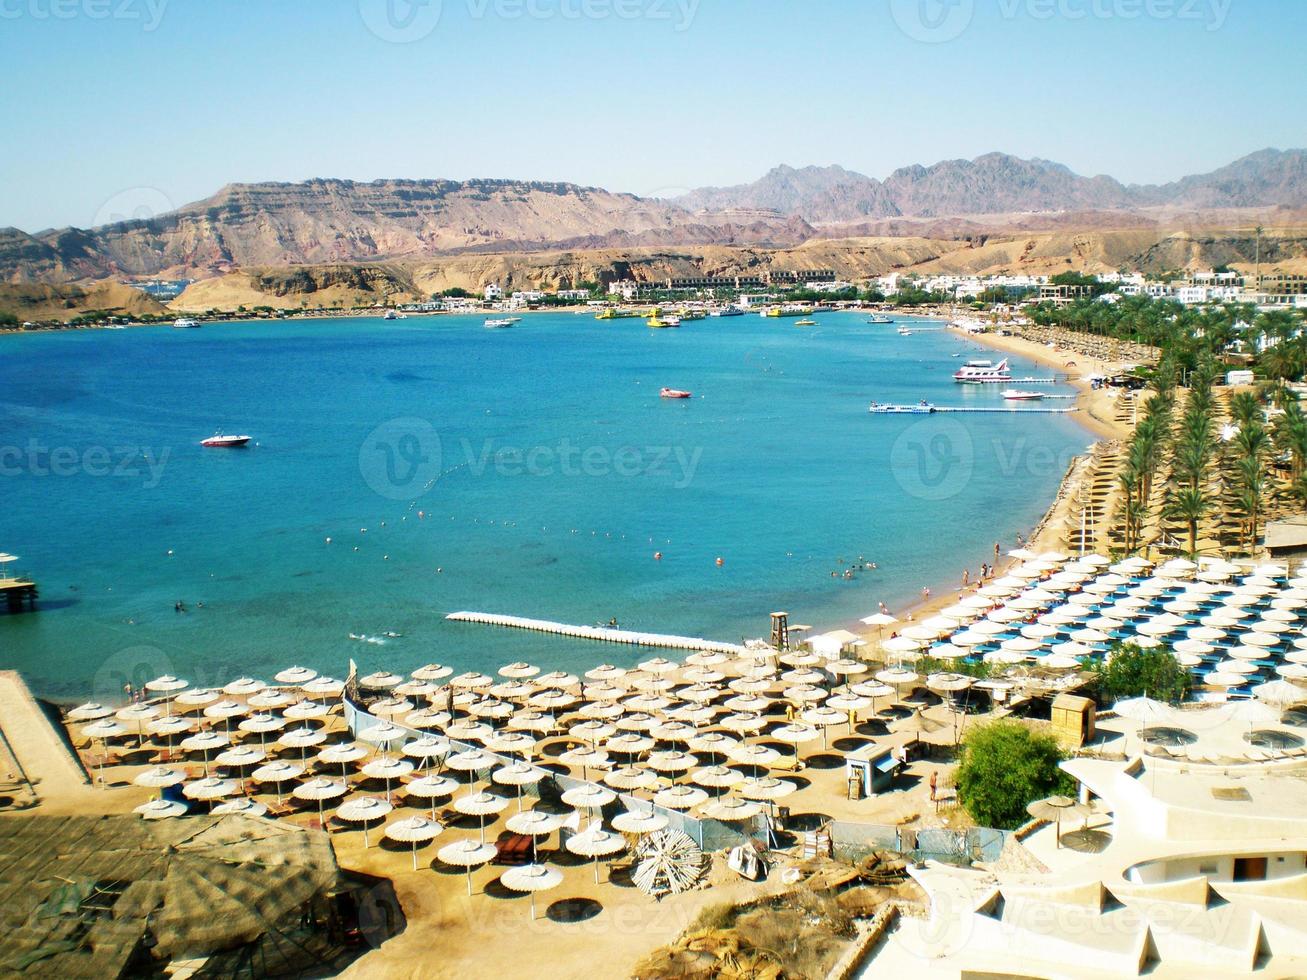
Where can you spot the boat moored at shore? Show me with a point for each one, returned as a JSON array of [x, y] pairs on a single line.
[[983, 372]]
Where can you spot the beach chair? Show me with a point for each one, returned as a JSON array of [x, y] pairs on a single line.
[[512, 849]]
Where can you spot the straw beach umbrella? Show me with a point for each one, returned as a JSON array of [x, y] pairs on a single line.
[[633, 822], [531, 878], [387, 769], [363, 810], [517, 774], [430, 788], [595, 843], [160, 809], [480, 805], [320, 790], [682, 796], [467, 854], [414, 831]]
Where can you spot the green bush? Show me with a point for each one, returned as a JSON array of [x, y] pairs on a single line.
[[1131, 671], [1005, 767]]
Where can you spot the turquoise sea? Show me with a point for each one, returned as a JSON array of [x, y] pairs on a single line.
[[405, 469]]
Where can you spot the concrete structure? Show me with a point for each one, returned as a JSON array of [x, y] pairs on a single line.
[[1185, 869]]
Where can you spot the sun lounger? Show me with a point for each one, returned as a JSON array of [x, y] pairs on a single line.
[[512, 849]]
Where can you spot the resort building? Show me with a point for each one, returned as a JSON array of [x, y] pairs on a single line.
[[493, 293]]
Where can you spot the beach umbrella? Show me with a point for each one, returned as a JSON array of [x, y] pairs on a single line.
[[1295, 672], [647, 703], [519, 671], [319, 790], [341, 755], [1056, 808], [210, 788], [517, 774], [588, 797], [167, 685], [603, 691], [1145, 710], [672, 731], [387, 769], [800, 658], [509, 742], [390, 707], [468, 731], [1072, 649], [1005, 657], [297, 676], [630, 777], [471, 761], [205, 742], [796, 734], [751, 685], [170, 726], [848, 701], [744, 724], [413, 830], [903, 644], [968, 638], [897, 677], [384, 734], [1258, 639], [1188, 659], [277, 772], [595, 843], [512, 690], [754, 704], [535, 824], [703, 675], [480, 805], [949, 683], [636, 721], [606, 672], [682, 796], [707, 658], [426, 747], [1058, 662], [244, 687], [381, 680], [989, 627], [1090, 636], [1237, 667], [823, 717], [363, 809], [633, 822], [674, 761], [537, 721], [659, 665], [272, 698], [1221, 679], [241, 756], [225, 711], [667, 861], [302, 739], [799, 693], [431, 672], [592, 731], [1280, 693], [417, 689], [427, 718], [490, 708], [731, 808], [531, 878], [161, 776], [160, 809], [712, 742], [471, 680], [467, 854], [558, 678], [768, 788], [754, 755], [91, 711], [586, 757], [1197, 647], [430, 788], [140, 714], [242, 806], [803, 675], [324, 687], [629, 743], [717, 777], [878, 619]]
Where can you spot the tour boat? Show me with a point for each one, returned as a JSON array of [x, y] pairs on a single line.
[[1013, 395], [658, 321], [500, 324], [185, 323], [880, 318], [805, 323], [727, 311], [921, 408], [983, 372], [220, 441], [674, 393]]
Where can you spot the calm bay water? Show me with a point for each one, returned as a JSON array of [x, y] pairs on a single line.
[[532, 471]]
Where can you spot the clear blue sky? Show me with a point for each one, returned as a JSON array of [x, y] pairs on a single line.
[[655, 97]]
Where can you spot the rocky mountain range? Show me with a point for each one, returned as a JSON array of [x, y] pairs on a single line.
[[328, 221], [999, 183]]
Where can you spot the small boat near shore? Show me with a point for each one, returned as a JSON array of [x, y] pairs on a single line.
[[499, 324], [880, 318], [805, 323], [904, 332], [675, 393], [921, 408], [983, 372], [220, 441], [185, 323], [1015, 395]]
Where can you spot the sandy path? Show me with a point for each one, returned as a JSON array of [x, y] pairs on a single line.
[[43, 758]]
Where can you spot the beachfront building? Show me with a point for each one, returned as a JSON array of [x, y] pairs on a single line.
[[1181, 862], [493, 293]]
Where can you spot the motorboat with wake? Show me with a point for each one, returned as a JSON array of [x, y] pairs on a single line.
[[675, 393], [220, 441], [1015, 395]]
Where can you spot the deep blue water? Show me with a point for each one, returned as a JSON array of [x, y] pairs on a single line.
[[559, 472]]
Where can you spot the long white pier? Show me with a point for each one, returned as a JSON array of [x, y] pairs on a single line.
[[603, 634]]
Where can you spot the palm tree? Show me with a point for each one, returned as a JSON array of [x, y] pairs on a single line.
[[1188, 505]]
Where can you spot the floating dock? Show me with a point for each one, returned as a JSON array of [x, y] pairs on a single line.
[[19, 594], [940, 409], [603, 634]]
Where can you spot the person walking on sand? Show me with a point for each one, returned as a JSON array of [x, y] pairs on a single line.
[[934, 777], [966, 577]]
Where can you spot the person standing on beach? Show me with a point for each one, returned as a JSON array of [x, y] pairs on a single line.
[[966, 577], [934, 777]]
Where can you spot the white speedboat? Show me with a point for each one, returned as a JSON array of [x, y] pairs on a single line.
[[220, 441], [500, 324], [880, 318], [1014, 395], [185, 323]]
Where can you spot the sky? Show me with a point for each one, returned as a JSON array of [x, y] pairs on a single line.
[[125, 108]]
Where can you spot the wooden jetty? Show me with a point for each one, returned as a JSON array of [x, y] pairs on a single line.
[[603, 634], [19, 594]]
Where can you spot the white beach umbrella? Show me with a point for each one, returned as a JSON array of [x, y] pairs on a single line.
[[717, 777], [318, 791], [630, 777], [707, 658], [241, 756], [531, 878], [1280, 694], [91, 711], [262, 723], [161, 776], [160, 809], [430, 788], [682, 796], [387, 769], [341, 755], [244, 687], [210, 788], [363, 810], [731, 808], [384, 734], [519, 670], [588, 796], [242, 806], [638, 822], [296, 676], [903, 644], [595, 843], [467, 854], [714, 743], [1145, 710], [273, 698], [878, 619], [414, 831]]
